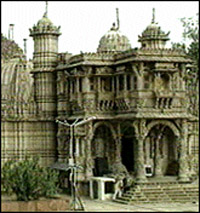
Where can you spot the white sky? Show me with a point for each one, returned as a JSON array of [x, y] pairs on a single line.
[[83, 23]]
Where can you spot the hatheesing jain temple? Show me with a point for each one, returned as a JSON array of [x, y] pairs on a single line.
[[134, 101]]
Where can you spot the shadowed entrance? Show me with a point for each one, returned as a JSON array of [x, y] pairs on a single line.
[[128, 149], [161, 151]]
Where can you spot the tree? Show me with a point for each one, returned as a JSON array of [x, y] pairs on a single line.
[[191, 36], [28, 180]]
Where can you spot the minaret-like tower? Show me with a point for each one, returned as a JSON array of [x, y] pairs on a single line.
[[153, 37], [45, 36]]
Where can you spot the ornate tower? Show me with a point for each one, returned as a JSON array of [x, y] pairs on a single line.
[[153, 37], [45, 36]]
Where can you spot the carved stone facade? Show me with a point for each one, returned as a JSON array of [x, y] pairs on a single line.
[[137, 95]]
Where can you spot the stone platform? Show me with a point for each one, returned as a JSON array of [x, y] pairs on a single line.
[[161, 190]]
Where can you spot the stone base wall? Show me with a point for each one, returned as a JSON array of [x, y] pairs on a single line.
[[35, 206], [35, 138], [83, 188]]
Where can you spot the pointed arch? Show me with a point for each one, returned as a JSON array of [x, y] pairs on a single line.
[[163, 122], [107, 124]]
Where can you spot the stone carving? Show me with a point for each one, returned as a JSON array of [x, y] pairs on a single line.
[[89, 163], [140, 103], [104, 70]]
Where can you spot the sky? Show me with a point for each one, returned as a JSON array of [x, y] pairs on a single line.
[[83, 23]]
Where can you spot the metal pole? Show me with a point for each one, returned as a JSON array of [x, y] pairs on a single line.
[[72, 160]]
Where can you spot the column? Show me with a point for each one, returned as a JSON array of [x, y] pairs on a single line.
[[132, 82], [157, 158], [113, 84], [170, 82], [88, 151], [118, 148], [141, 177], [183, 164], [77, 85], [91, 189], [101, 190], [99, 84], [183, 72]]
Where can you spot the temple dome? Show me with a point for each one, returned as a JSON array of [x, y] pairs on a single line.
[[16, 79], [113, 41]]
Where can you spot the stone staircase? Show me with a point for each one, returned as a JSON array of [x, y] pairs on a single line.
[[151, 192]]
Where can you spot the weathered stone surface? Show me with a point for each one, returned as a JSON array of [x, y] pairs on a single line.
[[35, 206]]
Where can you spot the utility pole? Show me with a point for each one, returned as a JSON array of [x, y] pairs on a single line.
[[72, 162]]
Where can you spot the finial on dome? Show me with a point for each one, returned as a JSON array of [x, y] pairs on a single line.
[[153, 16], [46, 10], [117, 16], [113, 26]]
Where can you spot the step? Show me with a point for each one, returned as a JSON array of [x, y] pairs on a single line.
[[174, 192], [167, 201], [127, 195], [161, 192], [124, 198], [120, 201]]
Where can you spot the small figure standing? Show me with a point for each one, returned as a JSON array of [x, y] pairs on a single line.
[[118, 188]]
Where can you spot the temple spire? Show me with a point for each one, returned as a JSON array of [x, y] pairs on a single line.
[[117, 16], [46, 9], [153, 16]]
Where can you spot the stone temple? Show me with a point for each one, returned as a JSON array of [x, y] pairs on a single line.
[[134, 102]]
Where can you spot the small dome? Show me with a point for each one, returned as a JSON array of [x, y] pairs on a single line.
[[153, 33], [152, 26], [113, 41], [153, 29], [45, 21]]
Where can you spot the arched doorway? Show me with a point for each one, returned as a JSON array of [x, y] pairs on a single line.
[[103, 147], [128, 143], [161, 152]]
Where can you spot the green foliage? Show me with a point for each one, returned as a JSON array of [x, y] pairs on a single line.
[[28, 180], [191, 36]]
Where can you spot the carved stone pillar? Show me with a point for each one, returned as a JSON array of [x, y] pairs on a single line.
[[158, 160], [118, 148], [132, 82], [113, 84], [140, 169], [99, 84], [63, 144], [88, 151], [183, 164], [77, 85]]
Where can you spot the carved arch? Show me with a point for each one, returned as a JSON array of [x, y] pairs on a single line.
[[107, 124], [164, 122]]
